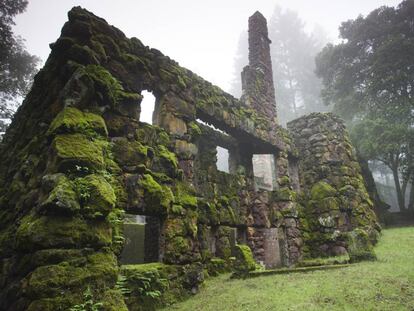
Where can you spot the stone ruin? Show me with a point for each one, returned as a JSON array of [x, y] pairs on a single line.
[[76, 163]]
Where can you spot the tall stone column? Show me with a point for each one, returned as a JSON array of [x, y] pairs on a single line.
[[257, 77]]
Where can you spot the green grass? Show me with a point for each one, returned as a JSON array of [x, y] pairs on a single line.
[[387, 284]]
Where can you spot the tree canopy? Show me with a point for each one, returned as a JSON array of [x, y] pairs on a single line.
[[368, 78], [17, 66]]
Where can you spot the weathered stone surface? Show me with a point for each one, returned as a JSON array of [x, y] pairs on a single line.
[[76, 158], [336, 199]]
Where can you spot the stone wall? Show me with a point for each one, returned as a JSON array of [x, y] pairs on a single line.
[[334, 195], [257, 77], [76, 158]]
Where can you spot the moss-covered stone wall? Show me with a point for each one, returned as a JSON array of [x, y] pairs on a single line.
[[76, 158], [334, 195]]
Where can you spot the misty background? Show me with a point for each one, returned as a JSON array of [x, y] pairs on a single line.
[[210, 38]]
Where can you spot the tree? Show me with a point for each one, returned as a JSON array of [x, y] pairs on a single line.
[[386, 142], [17, 66], [368, 78], [293, 51]]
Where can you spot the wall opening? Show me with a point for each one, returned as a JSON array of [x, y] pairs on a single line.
[[142, 239], [147, 108], [212, 127], [294, 174], [241, 235], [223, 159], [264, 170]]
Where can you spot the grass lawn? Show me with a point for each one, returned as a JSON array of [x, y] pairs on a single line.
[[387, 284]]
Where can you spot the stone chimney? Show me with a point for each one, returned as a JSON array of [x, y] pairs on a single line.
[[257, 77]]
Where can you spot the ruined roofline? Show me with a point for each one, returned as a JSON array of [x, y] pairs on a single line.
[[222, 109]]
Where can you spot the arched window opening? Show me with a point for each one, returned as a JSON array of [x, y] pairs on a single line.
[[147, 107]]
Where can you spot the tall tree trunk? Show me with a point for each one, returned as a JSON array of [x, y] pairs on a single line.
[[400, 195]]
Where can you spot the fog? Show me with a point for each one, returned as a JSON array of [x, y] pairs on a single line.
[[200, 35]]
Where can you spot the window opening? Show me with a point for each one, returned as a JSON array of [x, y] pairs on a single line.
[[142, 239], [222, 160], [147, 107], [294, 174], [264, 169]]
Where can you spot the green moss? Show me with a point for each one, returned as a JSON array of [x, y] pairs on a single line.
[[226, 212], [60, 232], [62, 198], [129, 152], [96, 194], [244, 260], [152, 135], [167, 155], [325, 205], [359, 246], [77, 150], [175, 227], [208, 213], [72, 120], [177, 209], [284, 181], [82, 54], [52, 304], [194, 130], [131, 269], [191, 223], [97, 271], [225, 242], [54, 256], [112, 300], [284, 194], [153, 285], [177, 249], [184, 195], [322, 190], [158, 198], [105, 82], [216, 266]]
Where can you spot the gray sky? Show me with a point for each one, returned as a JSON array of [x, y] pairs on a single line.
[[201, 35]]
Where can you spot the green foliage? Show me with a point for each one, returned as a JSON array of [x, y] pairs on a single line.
[[121, 285], [146, 284], [381, 140], [368, 80], [17, 65], [89, 303]]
